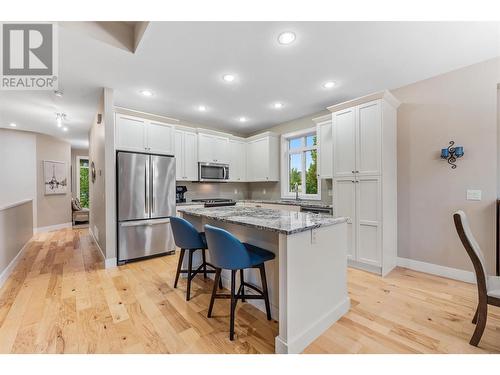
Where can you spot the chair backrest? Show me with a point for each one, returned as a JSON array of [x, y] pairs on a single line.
[[472, 248], [185, 234], [226, 251]]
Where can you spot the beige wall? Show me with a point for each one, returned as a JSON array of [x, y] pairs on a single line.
[[459, 106], [52, 209], [97, 217], [74, 167], [17, 167]]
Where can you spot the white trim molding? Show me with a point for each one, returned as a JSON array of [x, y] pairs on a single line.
[[13, 263], [50, 228], [108, 262], [435, 269]]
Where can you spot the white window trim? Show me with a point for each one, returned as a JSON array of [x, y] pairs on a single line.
[[285, 169], [77, 177]]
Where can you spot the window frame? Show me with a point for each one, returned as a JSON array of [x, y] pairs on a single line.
[[285, 163]]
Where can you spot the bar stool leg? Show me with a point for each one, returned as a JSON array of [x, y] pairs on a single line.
[[214, 292], [190, 276], [242, 281], [204, 263], [179, 267], [233, 304], [262, 269]]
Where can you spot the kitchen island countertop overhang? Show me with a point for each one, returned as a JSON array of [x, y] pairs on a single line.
[[281, 221], [307, 280]]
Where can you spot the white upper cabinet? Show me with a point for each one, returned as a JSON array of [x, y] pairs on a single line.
[[263, 158], [160, 138], [130, 133], [368, 147], [237, 160], [213, 148], [142, 135], [186, 156], [325, 150], [344, 142]]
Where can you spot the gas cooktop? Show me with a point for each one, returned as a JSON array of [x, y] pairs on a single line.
[[215, 202]]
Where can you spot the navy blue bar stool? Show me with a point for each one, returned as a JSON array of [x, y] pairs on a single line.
[[227, 252], [188, 238]]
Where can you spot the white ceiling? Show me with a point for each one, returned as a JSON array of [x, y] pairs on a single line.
[[183, 63]]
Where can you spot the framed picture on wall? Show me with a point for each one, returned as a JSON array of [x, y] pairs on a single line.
[[55, 177]]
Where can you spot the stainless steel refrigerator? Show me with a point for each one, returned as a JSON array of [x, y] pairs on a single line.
[[145, 199]]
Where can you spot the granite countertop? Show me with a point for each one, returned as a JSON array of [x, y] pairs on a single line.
[[291, 202], [284, 202], [280, 221]]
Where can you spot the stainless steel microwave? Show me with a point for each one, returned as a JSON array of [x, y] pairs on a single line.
[[213, 172]]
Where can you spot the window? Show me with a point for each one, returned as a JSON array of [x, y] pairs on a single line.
[[299, 165], [82, 185]]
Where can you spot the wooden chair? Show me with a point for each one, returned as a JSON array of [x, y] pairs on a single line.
[[488, 287]]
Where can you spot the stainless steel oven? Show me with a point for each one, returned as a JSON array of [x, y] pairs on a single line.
[[213, 172]]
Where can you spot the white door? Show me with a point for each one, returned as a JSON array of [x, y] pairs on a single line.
[[221, 150], [130, 133], [368, 220], [324, 131], [190, 156], [179, 155], [237, 161], [344, 145], [250, 161], [368, 137], [344, 196], [160, 138], [206, 148], [260, 159]]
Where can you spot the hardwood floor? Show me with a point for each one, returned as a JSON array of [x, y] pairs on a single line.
[[60, 299]]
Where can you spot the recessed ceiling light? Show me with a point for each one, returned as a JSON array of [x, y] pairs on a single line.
[[202, 108], [228, 77], [286, 37], [58, 93], [329, 84], [243, 119], [65, 129], [147, 93], [278, 105], [13, 124]]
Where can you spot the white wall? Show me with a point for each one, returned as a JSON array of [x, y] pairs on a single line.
[[17, 167]]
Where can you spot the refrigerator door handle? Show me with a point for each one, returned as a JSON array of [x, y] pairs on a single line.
[[146, 189], [153, 209], [148, 223]]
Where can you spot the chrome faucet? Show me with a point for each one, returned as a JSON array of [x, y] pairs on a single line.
[[296, 188]]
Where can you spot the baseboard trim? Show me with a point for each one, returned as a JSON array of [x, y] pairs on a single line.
[[435, 269], [13, 263], [50, 228], [108, 263], [297, 344]]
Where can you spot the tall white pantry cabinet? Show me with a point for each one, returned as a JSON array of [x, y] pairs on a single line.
[[365, 178]]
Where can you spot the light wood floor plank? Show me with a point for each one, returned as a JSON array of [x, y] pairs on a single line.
[[60, 299]]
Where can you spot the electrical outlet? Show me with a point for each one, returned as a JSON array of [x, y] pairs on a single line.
[[235, 191], [264, 191], [473, 195]]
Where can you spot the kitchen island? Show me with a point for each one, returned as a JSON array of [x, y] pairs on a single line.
[[307, 280]]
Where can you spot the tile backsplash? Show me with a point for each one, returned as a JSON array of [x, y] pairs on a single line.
[[244, 190]]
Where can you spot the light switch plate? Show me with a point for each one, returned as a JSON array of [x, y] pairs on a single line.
[[473, 195]]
